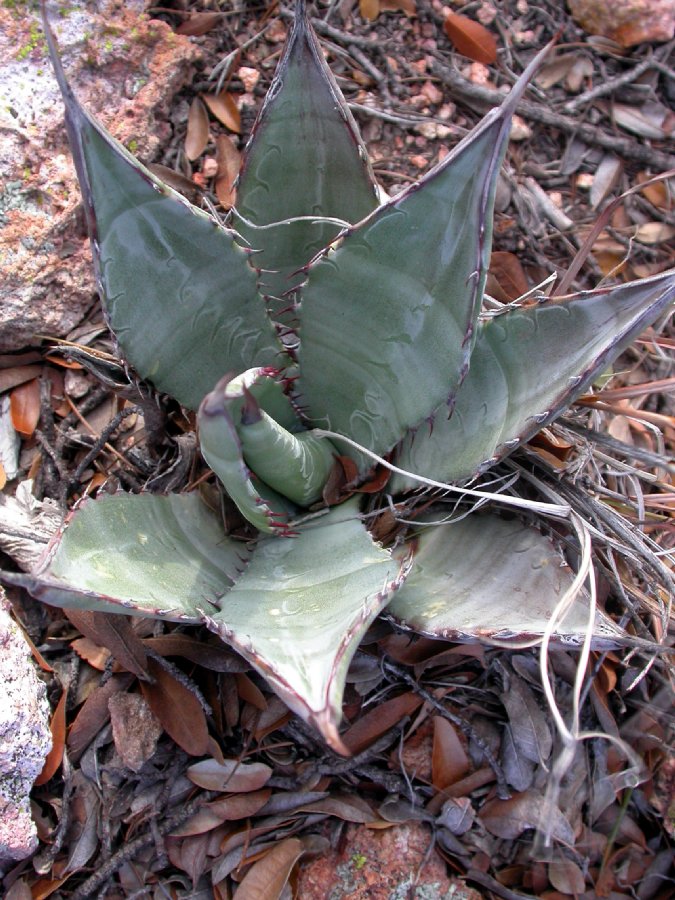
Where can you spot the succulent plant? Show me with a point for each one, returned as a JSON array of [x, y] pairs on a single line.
[[326, 340]]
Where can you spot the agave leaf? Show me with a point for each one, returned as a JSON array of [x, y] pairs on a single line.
[[219, 420], [301, 607], [267, 387], [305, 158], [295, 465], [262, 463], [387, 318], [160, 260], [297, 610], [528, 365], [138, 553], [482, 577]]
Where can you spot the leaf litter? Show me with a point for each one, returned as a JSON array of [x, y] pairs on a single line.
[[235, 796]]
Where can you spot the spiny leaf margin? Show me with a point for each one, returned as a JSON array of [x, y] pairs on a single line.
[[387, 319]]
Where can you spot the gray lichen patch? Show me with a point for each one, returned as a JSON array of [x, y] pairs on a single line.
[[25, 739], [125, 68]]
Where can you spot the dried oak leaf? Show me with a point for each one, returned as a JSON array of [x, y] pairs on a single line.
[[471, 38]]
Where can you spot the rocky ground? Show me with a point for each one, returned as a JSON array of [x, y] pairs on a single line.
[[452, 744]]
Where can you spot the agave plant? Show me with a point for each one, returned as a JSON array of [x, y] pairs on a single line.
[[320, 333]]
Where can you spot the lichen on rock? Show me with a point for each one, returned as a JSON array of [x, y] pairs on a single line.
[[46, 285], [25, 739]]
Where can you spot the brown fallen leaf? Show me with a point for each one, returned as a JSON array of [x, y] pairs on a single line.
[[94, 714], [566, 877], [197, 135], [572, 68], [651, 120], [224, 107], [199, 23], [91, 652], [181, 183], [289, 802], [24, 402], [58, 729], [379, 720], [216, 657], [250, 692], [577, 75], [449, 760], [85, 813], [274, 716], [507, 270], [15, 375], [457, 815], [370, 9], [555, 71], [652, 233], [659, 193], [518, 770], [376, 482], [37, 656], [243, 847], [266, 878], [552, 443], [510, 818], [229, 163], [177, 708], [189, 855], [409, 652], [471, 38], [605, 178], [349, 809], [66, 363], [225, 809], [231, 775], [20, 890], [114, 633], [529, 724], [455, 657]]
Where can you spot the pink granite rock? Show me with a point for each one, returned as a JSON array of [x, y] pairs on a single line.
[[136, 729], [627, 22], [25, 739], [381, 864], [125, 68]]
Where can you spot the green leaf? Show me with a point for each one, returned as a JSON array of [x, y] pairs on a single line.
[[140, 554], [528, 365], [387, 318], [305, 158], [297, 612], [260, 461], [297, 466], [301, 607], [486, 578], [219, 421], [180, 295]]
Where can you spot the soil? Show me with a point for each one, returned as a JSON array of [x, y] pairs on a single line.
[[439, 799]]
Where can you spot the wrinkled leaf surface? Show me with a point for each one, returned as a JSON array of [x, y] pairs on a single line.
[[219, 421], [165, 269], [487, 577], [527, 366], [142, 554], [301, 607], [387, 318], [305, 158]]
